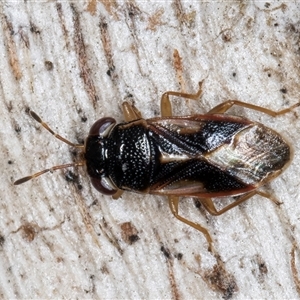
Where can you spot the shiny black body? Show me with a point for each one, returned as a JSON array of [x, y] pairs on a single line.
[[128, 156], [177, 155]]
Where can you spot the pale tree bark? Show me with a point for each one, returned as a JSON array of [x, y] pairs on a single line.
[[75, 62]]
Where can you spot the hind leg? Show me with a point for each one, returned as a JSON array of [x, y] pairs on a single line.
[[173, 203]]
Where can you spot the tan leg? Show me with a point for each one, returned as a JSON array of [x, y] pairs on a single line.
[[223, 107], [130, 112], [118, 194], [165, 103], [173, 202], [210, 207]]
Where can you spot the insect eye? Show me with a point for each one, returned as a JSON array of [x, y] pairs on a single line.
[[102, 127], [103, 185]]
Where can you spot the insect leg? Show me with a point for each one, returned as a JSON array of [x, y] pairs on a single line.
[[173, 202], [210, 207], [118, 194], [130, 112], [223, 107], [165, 103]]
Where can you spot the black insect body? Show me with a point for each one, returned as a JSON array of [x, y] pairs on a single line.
[[203, 156], [216, 156]]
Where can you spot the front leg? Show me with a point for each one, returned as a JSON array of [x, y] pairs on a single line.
[[130, 112]]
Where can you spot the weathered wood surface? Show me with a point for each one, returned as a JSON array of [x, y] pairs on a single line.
[[74, 62]]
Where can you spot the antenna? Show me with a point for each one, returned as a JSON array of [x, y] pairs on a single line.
[[59, 137]]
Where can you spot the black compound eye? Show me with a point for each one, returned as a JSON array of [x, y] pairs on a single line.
[[102, 127], [103, 185]]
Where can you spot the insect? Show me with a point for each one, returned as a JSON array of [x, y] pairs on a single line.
[[203, 156]]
